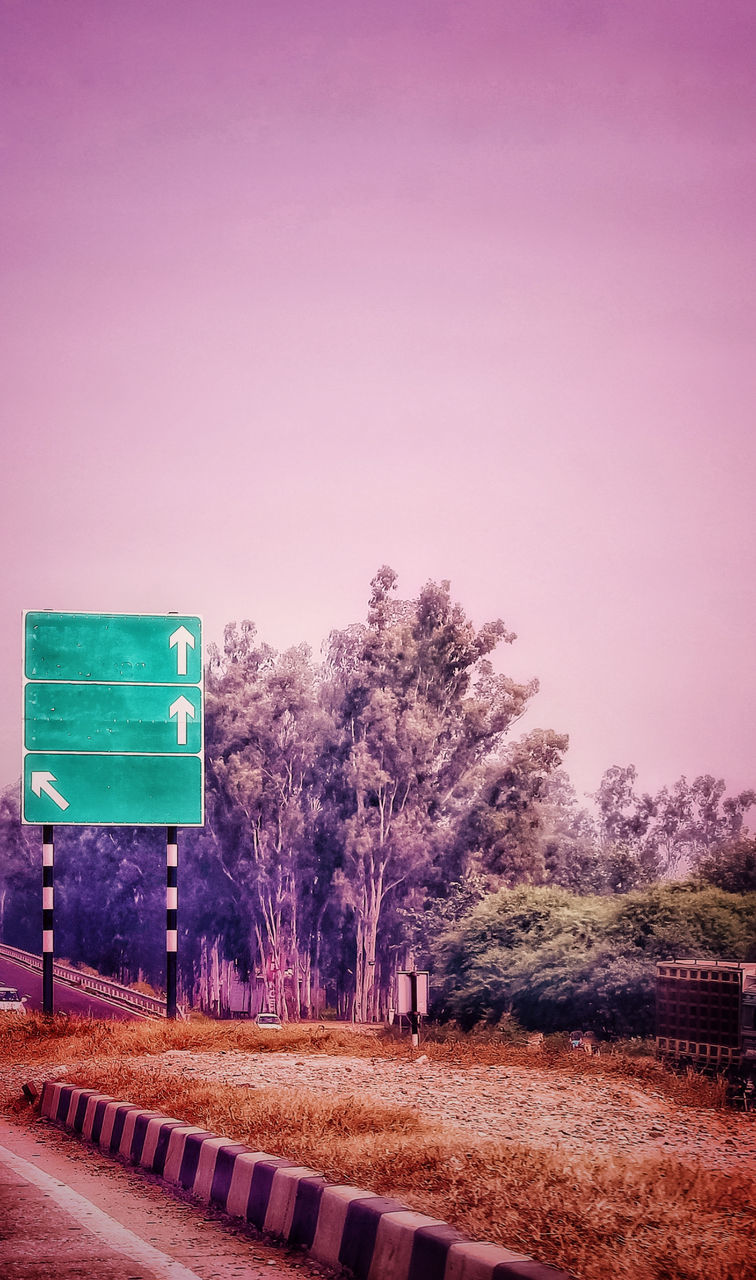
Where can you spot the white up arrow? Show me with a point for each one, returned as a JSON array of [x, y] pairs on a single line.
[[41, 781], [181, 708], [183, 639]]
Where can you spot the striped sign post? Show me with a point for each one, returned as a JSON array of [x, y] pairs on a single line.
[[48, 949], [171, 921]]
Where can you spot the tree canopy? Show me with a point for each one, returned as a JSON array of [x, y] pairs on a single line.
[[557, 960], [361, 808]]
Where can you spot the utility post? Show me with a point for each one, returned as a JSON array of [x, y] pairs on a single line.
[[414, 1015]]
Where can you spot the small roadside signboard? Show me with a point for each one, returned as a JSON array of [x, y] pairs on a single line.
[[113, 709], [412, 991]]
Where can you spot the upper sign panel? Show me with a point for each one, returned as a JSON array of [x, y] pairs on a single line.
[[113, 648]]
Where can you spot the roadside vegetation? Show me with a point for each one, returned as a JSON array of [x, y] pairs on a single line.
[[370, 813], [377, 812], [633, 1218]]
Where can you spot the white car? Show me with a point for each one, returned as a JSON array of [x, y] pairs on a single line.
[[269, 1022], [11, 1001]]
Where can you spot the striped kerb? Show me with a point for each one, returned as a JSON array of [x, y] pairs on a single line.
[[139, 1134], [126, 1145], [71, 1109], [259, 1191], [99, 1117], [91, 1112], [223, 1173], [373, 1237], [81, 1109], [304, 1220], [360, 1230], [430, 1249], [193, 1145], [205, 1171], [241, 1181], [49, 1102], [282, 1198], [473, 1261], [119, 1122], [64, 1102], [394, 1242], [174, 1158], [334, 1206], [155, 1159], [109, 1117], [527, 1269]]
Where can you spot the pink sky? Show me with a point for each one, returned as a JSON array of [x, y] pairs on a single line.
[[292, 290]]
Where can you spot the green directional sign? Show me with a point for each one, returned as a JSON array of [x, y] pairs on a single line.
[[113, 790], [137, 648], [113, 719]]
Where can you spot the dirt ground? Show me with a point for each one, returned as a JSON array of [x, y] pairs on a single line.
[[544, 1108]]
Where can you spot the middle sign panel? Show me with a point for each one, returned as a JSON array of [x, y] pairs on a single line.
[[112, 717]]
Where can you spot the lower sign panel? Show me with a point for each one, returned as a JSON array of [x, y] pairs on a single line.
[[113, 790]]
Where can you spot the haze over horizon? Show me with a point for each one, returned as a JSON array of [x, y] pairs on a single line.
[[291, 292]]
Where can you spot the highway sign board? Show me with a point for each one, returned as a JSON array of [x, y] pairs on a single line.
[[143, 648], [113, 719]]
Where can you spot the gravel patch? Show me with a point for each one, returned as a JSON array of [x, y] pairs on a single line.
[[594, 1116]]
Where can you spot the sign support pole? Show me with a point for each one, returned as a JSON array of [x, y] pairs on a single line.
[[413, 1015], [171, 920], [48, 853]]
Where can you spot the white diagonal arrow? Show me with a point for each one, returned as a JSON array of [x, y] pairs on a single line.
[[182, 639], [41, 781], [181, 708]]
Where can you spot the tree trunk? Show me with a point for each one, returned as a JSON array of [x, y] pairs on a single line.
[[295, 958], [305, 968], [316, 984], [367, 934], [215, 977]]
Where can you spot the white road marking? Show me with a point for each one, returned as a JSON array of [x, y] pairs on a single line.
[[102, 1226]]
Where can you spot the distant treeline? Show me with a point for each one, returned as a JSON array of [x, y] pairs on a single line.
[[366, 814]]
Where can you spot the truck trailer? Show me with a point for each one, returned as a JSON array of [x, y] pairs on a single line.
[[706, 1014]]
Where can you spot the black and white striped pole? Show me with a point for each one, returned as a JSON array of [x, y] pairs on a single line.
[[48, 853], [171, 920], [414, 1011]]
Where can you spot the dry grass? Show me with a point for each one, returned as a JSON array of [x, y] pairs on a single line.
[[631, 1219], [31, 1038]]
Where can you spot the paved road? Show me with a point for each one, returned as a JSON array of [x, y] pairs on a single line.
[[67, 1213], [65, 999]]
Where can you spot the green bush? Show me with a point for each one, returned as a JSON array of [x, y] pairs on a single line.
[[556, 961]]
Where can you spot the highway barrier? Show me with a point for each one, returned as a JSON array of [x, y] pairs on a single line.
[[150, 1005], [372, 1237]]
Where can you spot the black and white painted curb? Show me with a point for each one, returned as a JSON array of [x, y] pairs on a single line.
[[372, 1237]]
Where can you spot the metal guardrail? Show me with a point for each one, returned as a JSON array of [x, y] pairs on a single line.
[[89, 982]]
